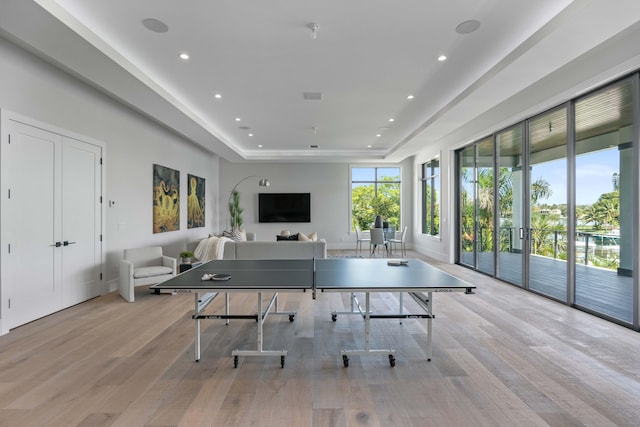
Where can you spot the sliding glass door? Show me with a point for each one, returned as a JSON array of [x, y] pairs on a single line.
[[485, 212], [604, 202], [509, 191], [548, 204], [467, 207]]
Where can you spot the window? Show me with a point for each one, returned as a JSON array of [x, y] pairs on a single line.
[[431, 197], [375, 191]]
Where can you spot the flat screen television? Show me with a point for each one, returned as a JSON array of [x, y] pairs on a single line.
[[284, 207]]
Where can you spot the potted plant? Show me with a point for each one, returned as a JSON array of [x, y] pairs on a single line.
[[235, 211], [186, 256]]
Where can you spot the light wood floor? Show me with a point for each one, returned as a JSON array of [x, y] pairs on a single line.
[[502, 357]]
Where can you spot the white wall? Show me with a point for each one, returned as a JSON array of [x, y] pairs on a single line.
[[329, 185], [32, 88]]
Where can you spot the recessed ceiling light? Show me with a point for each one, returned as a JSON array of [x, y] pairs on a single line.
[[442, 58], [237, 119], [368, 146], [467, 27], [392, 120], [250, 134], [410, 97], [184, 56], [259, 145], [217, 96], [378, 135], [155, 25]]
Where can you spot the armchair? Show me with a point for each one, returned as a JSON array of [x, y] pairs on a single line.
[[144, 266]]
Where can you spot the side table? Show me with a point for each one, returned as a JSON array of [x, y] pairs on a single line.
[[188, 266]]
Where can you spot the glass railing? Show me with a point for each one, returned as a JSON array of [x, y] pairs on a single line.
[[595, 249]]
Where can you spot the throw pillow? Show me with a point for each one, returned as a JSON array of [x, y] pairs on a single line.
[[285, 233], [311, 236], [291, 237], [303, 237], [233, 235], [243, 235]]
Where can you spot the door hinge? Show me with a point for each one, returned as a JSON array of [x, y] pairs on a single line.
[[9, 248], [101, 237], [9, 138], [9, 193], [100, 199], [100, 276], [100, 160], [9, 302]]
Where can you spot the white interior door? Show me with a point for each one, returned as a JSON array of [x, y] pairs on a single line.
[[81, 221], [51, 251], [30, 227]]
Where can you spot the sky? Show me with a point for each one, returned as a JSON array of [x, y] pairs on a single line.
[[594, 173]]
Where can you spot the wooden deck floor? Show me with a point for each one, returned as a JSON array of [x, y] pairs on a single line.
[[502, 357], [598, 289]]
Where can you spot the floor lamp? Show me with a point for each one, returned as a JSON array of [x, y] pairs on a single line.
[[262, 183]]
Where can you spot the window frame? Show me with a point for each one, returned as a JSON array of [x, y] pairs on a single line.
[[430, 172], [375, 182]]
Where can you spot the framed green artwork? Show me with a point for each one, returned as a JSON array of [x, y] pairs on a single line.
[[166, 199]]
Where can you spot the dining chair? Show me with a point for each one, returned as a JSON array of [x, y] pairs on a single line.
[[360, 239], [401, 241], [377, 238]]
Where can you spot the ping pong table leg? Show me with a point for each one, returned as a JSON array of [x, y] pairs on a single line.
[[367, 323], [367, 339], [260, 321], [226, 306], [260, 318], [197, 341], [430, 327]]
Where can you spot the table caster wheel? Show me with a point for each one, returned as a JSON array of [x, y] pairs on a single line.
[[334, 317], [345, 361], [392, 360], [291, 317], [282, 361], [235, 361]]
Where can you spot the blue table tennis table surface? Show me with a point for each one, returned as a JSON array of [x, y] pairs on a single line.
[[333, 274]]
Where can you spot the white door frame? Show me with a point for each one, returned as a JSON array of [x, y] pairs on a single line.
[[6, 117]]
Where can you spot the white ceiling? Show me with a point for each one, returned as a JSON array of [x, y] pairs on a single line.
[[369, 55]]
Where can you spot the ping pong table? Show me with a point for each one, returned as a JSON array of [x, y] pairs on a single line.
[[352, 275]]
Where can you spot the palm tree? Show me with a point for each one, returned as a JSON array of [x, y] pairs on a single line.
[[540, 189]]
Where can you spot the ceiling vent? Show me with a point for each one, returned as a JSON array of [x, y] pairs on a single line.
[[312, 96], [313, 146]]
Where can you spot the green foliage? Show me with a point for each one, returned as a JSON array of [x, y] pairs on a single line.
[[235, 211], [548, 234], [604, 213], [366, 204], [186, 254]]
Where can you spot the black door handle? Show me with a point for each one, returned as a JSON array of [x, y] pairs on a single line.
[[67, 243], [57, 244]]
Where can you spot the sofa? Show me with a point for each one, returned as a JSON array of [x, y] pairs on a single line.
[[275, 250]]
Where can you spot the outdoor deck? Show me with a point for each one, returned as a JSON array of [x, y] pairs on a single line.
[[597, 289]]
